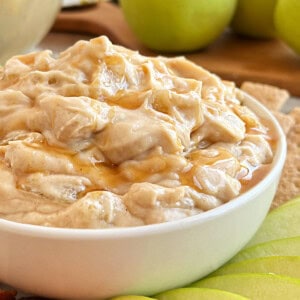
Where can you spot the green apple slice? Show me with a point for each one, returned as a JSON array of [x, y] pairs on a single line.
[[282, 247], [131, 297], [255, 286], [280, 265], [292, 201], [198, 293], [282, 222]]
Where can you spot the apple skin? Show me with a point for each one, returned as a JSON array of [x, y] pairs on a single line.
[[281, 247], [254, 18], [282, 222], [177, 25], [287, 22], [291, 202], [198, 293], [255, 286], [280, 265], [132, 297]]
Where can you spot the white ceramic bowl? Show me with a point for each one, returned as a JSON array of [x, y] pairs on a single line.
[[89, 263], [23, 24]]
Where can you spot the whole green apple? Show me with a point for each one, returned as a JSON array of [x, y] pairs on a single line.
[[287, 22], [178, 25], [254, 18]]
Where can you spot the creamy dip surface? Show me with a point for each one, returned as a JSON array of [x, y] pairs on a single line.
[[102, 136]]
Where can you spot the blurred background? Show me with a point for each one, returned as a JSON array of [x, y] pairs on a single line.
[[237, 39]]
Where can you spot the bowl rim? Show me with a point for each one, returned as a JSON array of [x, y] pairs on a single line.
[[160, 228]]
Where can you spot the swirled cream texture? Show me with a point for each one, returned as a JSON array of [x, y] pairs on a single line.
[[102, 136]]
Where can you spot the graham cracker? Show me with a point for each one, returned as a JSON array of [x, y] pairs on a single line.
[[289, 185], [270, 96], [286, 121], [274, 98]]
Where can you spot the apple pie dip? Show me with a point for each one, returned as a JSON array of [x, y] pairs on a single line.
[[101, 136]]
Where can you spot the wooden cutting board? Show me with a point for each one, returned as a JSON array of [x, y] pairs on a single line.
[[231, 57]]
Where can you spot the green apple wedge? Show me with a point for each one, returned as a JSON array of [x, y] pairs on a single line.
[[198, 293], [280, 265], [287, 22], [255, 286], [254, 18], [291, 202], [282, 222], [177, 25], [282, 247], [131, 297]]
